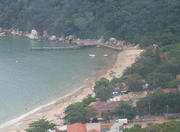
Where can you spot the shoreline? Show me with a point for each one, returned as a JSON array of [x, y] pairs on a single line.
[[111, 43], [54, 110]]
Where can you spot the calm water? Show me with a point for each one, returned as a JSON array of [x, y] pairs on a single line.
[[29, 79]]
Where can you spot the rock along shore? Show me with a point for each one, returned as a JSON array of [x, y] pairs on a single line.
[[112, 43]]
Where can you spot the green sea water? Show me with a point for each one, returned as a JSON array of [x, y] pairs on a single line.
[[29, 79]]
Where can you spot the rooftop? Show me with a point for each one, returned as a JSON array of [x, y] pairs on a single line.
[[77, 127], [178, 76], [170, 90], [109, 125], [93, 130], [103, 107]]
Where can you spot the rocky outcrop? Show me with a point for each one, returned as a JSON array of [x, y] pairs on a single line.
[[120, 43], [70, 39], [113, 41], [61, 39], [45, 35], [33, 35], [101, 40], [13, 32], [2, 34], [52, 38], [17, 33]]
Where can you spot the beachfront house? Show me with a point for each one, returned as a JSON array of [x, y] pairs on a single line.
[[171, 90], [95, 127], [102, 107], [77, 127]]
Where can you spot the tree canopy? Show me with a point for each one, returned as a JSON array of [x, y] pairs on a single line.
[[125, 111], [159, 102], [103, 89], [157, 66], [78, 112], [41, 125], [137, 21], [172, 126]]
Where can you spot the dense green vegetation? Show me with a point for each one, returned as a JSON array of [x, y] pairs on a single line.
[[41, 125], [136, 21], [172, 126], [157, 66], [155, 103], [103, 89], [80, 112], [125, 111], [159, 102]]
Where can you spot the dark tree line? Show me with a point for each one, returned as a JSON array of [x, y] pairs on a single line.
[[137, 21], [159, 103], [172, 126], [157, 66]]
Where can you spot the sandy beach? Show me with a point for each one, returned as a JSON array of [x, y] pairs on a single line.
[[54, 111]]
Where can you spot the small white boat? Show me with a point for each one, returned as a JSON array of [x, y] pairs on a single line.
[[92, 55]]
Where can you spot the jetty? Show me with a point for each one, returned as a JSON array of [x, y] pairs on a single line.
[[54, 48], [63, 48], [111, 47], [77, 47]]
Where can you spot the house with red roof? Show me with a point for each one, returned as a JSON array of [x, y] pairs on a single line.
[[93, 130], [88, 127], [76, 127], [171, 90], [178, 76], [103, 107]]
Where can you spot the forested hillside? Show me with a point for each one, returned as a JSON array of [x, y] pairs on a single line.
[[172, 126], [157, 66], [136, 21]]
